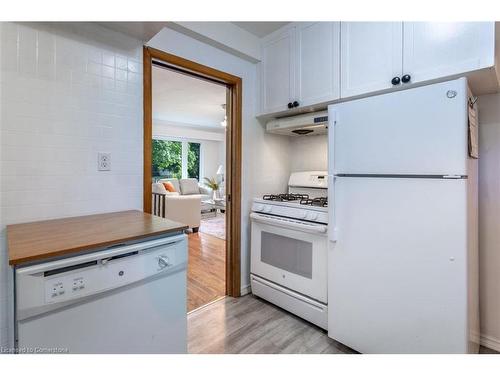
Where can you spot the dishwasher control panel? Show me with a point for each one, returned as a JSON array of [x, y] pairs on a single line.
[[59, 288], [42, 285], [106, 273]]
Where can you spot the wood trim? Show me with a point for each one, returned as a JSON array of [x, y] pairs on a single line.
[[233, 185], [148, 131], [233, 151], [193, 67]]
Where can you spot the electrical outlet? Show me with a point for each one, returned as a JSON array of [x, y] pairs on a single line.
[[103, 161]]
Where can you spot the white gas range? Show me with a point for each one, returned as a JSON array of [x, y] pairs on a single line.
[[292, 209], [289, 247]]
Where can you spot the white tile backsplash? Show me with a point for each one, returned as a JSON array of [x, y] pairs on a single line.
[[68, 91], [310, 153]]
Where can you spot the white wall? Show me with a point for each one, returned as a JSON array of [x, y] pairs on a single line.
[[213, 155], [265, 167], [309, 153], [489, 219], [68, 91], [183, 130]]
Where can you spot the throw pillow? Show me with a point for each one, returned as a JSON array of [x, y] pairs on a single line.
[[189, 186], [169, 186]]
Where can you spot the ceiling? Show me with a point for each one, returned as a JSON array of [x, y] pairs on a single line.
[[183, 99], [143, 31], [260, 29]]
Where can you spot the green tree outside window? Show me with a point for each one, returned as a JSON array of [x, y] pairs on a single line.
[[167, 159]]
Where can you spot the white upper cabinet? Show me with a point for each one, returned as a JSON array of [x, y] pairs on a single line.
[[318, 62], [306, 64], [438, 49], [278, 71], [300, 66], [371, 56]]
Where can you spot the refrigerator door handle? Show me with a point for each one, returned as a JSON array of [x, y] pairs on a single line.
[[332, 227], [332, 122], [332, 119]]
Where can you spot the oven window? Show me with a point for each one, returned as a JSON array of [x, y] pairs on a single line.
[[287, 253]]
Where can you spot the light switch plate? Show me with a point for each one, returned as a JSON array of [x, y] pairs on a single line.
[[104, 161]]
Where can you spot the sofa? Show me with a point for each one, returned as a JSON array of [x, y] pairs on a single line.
[[184, 205], [185, 186]]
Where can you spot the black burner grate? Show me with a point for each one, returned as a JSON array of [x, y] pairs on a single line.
[[285, 197], [318, 202]]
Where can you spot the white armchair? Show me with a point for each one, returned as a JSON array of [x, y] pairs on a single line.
[[182, 208]]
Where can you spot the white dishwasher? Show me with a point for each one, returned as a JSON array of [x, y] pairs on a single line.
[[125, 299]]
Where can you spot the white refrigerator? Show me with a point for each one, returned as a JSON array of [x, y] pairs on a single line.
[[403, 247]]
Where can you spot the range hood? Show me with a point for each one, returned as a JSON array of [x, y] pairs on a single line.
[[307, 124]]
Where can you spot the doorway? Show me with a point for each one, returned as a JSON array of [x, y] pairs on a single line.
[[183, 156]]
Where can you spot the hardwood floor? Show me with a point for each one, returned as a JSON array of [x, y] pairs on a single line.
[[206, 269], [252, 325]]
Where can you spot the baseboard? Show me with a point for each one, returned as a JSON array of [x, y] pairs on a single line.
[[245, 290], [490, 342]]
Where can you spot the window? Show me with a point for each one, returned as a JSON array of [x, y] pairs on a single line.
[[167, 159], [176, 159], [193, 167]]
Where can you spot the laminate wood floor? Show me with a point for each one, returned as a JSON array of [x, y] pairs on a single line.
[[206, 280], [251, 325]]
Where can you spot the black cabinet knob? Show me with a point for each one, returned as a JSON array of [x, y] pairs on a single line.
[[396, 81], [290, 105], [406, 78], [295, 103]]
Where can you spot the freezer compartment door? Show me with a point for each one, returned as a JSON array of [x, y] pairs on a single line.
[[420, 131], [397, 272]]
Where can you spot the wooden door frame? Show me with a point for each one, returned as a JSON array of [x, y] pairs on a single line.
[[233, 150]]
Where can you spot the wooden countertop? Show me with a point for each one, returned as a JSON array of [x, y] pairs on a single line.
[[47, 239]]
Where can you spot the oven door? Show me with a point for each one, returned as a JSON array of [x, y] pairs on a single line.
[[290, 253]]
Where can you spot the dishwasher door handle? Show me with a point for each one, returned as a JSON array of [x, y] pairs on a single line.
[[163, 261]]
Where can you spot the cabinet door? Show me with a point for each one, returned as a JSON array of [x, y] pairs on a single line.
[[371, 55], [439, 49], [318, 62], [278, 74]]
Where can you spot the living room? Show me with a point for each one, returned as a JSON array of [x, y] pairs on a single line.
[[188, 170]]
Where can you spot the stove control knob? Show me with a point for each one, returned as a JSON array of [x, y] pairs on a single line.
[[258, 207]]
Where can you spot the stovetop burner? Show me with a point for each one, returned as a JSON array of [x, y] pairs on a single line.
[[285, 197], [318, 202], [302, 199]]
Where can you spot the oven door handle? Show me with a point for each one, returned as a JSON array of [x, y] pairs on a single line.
[[310, 228]]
